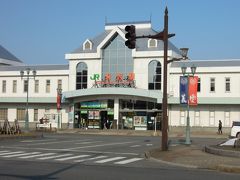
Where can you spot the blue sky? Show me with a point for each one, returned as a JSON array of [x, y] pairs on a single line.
[[42, 31]]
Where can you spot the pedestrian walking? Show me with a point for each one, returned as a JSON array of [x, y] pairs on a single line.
[[220, 127]]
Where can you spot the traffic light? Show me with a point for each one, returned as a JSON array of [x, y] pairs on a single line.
[[130, 36]]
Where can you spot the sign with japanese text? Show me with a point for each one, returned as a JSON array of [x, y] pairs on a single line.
[[192, 90], [188, 90], [59, 101], [183, 89]]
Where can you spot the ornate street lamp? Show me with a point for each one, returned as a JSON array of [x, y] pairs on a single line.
[[27, 77], [185, 73]]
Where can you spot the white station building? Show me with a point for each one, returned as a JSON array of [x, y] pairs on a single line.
[[104, 81]]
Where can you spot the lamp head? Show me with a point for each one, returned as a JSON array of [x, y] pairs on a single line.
[[193, 69], [34, 73], [28, 70], [184, 69], [184, 53], [21, 73]]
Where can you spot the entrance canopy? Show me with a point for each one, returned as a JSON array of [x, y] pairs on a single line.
[[153, 95]]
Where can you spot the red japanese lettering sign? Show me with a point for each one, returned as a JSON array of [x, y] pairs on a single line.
[[192, 90]]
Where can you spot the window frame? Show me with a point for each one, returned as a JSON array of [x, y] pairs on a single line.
[[227, 84], [156, 83], [21, 113], [14, 89], [4, 86], [150, 45], [48, 85], [25, 86], [199, 85], [81, 75], [59, 84], [3, 113], [89, 43], [36, 86], [212, 85], [35, 115]]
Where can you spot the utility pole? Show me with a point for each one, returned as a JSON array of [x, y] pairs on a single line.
[[164, 100], [164, 36]]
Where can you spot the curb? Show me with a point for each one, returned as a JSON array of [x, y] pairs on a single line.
[[110, 133], [22, 136], [228, 168], [148, 156], [121, 132], [221, 152], [220, 167]]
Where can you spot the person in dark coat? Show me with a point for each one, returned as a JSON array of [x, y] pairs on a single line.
[[220, 127]]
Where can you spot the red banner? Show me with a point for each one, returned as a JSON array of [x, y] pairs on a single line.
[[192, 90], [59, 102]]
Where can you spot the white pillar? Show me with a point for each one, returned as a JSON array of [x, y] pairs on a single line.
[[116, 110]]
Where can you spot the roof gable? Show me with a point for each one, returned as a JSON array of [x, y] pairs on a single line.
[[5, 54]]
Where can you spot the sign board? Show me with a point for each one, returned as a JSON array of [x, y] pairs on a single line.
[[183, 89], [188, 90], [140, 120]]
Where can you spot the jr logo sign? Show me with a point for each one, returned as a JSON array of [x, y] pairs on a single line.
[[95, 77]]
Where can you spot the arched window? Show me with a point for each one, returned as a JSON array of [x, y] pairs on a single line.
[[117, 58], [154, 75], [82, 73], [87, 45], [152, 43]]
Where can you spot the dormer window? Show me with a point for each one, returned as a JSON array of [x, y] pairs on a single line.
[[152, 43], [87, 45]]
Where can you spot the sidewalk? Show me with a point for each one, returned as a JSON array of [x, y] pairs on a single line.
[[194, 155], [126, 132]]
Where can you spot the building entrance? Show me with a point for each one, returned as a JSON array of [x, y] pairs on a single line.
[[104, 119], [94, 114]]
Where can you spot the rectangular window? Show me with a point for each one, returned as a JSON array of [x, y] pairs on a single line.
[[3, 113], [21, 114], [35, 115], [25, 86], [47, 86], [4, 86], [212, 84], [47, 113], [47, 110], [227, 84], [182, 117], [197, 118], [14, 86], [59, 85], [227, 118], [199, 85], [36, 86], [212, 118]]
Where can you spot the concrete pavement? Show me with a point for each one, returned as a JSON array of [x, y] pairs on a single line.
[[191, 156]]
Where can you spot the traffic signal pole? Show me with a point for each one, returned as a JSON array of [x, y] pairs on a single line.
[[164, 99], [164, 36]]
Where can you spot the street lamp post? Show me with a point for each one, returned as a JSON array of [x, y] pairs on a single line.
[[27, 77], [59, 98], [184, 72]]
